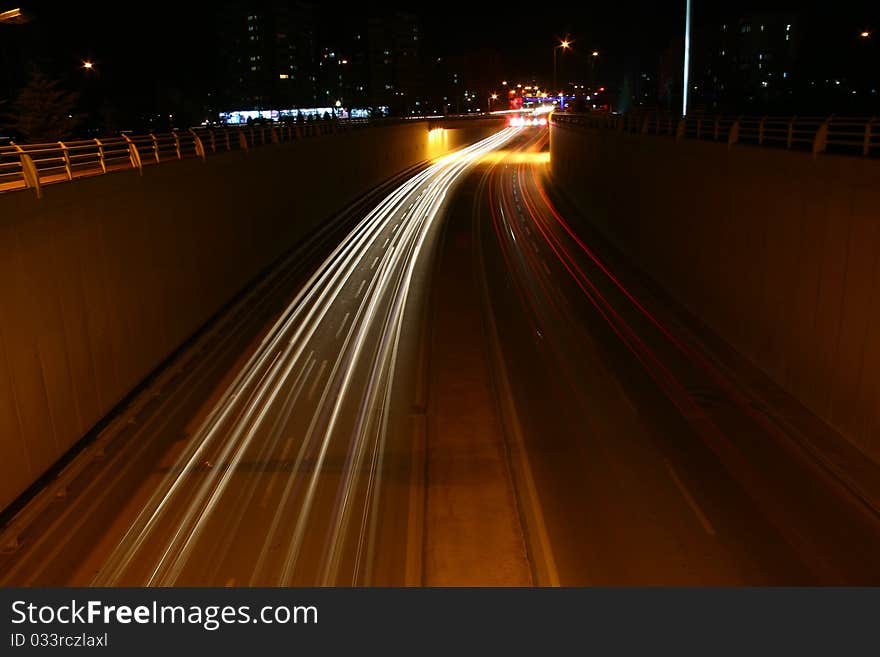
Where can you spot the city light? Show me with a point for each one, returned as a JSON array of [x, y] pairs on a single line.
[[865, 34], [88, 65], [12, 16]]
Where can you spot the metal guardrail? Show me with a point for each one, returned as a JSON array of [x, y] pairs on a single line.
[[35, 165], [857, 136]]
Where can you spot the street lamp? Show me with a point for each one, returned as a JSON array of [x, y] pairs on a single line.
[[687, 57], [491, 98], [13, 16], [866, 34], [88, 66], [565, 44], [595, 56]]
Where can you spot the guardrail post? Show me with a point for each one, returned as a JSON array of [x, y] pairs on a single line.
[[820, 141], [733, 135], [242, 140], [29, 172], [101, 155], [197, 142], [176, 143], [679, 129], [790, 136], [761, 130], [66, 154], [717, 128], [866, 145], [273, 135], [134, 155], [155, 146]]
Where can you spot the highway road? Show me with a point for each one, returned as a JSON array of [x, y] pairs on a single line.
[[300, 468], [651, 464], [286, 445]]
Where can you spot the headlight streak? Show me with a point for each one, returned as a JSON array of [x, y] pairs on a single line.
[[256, 407], [123, 462]]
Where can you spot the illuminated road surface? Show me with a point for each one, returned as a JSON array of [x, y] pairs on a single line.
[[301, 470], [302, 439], [638, 456], [650, 463]]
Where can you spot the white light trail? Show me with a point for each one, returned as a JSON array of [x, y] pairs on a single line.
[[263, 413]]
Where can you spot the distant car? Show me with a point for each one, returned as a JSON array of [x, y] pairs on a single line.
[[532, 121]]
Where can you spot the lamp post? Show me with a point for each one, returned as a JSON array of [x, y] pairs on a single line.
[[687, 57], [491, 98], [565, 44], [593, 57]]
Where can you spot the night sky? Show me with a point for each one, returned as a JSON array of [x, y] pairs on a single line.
[[167, 46]]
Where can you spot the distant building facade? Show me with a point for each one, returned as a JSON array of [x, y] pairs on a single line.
[[266, 55], [747, 61]]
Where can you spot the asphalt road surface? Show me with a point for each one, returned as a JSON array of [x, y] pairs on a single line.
[[299, 469], [282, 446], [651, 464]]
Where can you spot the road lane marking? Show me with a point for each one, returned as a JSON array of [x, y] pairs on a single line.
[[342, 325], [707, 526], [387, 239], [317, 378], [361, 287], [375, 260]]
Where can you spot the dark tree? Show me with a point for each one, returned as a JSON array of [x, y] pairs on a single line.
[[43, 111]]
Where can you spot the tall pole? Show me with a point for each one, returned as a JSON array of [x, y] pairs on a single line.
[[564, 44], [687, 58]]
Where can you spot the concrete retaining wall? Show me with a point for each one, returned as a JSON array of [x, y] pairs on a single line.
[[103, 278], [777, 252]]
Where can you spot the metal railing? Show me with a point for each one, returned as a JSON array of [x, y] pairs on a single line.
[[857, 136], [35, 165]]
